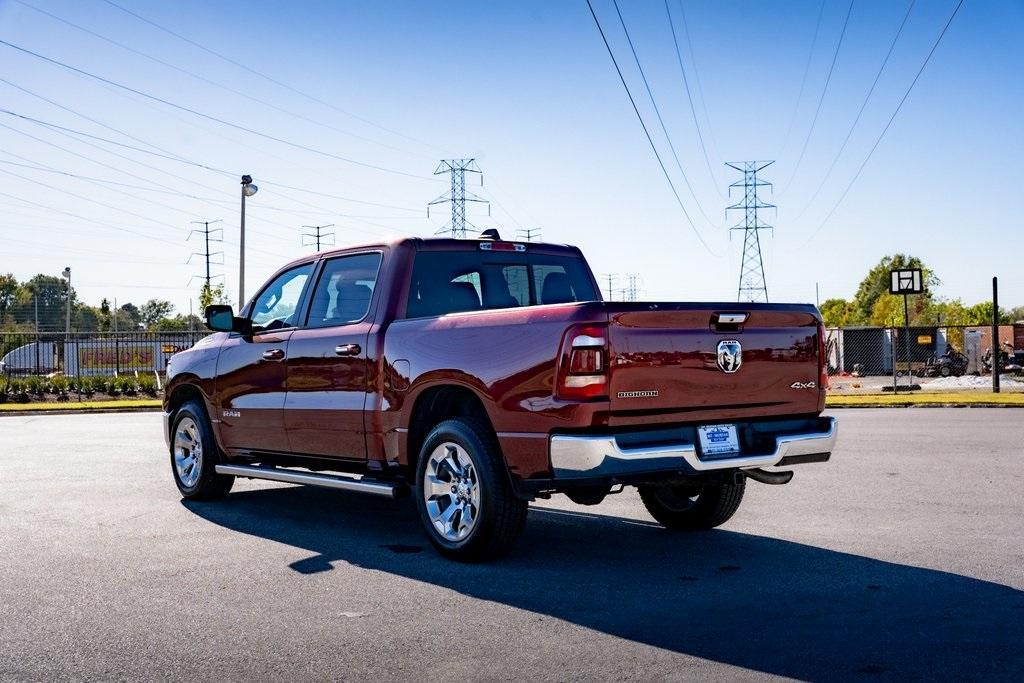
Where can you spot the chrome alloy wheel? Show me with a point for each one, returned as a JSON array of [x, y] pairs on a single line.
[[451, 491], [188, 452]]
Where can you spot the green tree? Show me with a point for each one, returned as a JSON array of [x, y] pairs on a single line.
[[212, 294], [128, 317], [875, 285], [179, 323], [155, 310], [836, 312], [50, 293], [8, 295]]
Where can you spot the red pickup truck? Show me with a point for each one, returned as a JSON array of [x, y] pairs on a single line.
[[479, 375]]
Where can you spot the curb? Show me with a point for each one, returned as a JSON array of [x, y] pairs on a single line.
[[80, 411], [847, 406]]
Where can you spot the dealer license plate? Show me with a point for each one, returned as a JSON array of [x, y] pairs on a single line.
[[718, 439]]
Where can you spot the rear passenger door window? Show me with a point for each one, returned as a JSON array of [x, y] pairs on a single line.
[[344, 290]]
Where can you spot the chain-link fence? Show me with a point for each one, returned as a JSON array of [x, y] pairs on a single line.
[[937, 358], [54, 366]]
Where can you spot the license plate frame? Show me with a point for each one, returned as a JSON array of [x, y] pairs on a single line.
[[718, 440]]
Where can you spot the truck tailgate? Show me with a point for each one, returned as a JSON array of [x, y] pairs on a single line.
[[665, 366]]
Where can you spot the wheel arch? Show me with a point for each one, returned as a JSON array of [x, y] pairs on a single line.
[[442, 402], [180, 393]]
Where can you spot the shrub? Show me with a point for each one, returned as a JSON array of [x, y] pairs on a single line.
[[125, 384], [102, 384], [35, 385], [147, 384], [19, 390], [60, 385]]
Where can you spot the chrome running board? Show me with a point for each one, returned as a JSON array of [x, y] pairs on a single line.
[[330, 481]]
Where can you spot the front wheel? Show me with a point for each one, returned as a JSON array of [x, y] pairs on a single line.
[[194, 455], [693, 507], [465, 499]]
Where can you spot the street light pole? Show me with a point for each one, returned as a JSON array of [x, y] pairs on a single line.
[[248, 190], [67, 311]]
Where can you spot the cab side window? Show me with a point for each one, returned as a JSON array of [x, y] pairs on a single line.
[[277, 306], [343, 292]]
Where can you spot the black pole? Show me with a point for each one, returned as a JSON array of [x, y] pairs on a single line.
[[995, 335], [906, 344]]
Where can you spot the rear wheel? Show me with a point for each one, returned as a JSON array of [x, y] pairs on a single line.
[[194, 455], [465, 500], [693, 507]]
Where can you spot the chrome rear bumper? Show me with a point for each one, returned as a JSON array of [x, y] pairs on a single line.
[[583, 456]]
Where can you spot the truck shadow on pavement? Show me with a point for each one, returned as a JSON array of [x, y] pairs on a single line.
[[761, 603]]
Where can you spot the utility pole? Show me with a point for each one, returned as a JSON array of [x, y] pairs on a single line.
[[528, 234], [318, 235], [996, 349], [457, 195], [610, 287], [752, 285], [207, 238]]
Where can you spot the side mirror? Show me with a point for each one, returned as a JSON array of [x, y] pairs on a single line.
[[221, 318]]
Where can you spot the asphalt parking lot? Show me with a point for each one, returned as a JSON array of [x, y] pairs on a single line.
[[903, 557]]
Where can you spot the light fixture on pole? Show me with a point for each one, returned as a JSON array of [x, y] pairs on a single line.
[[248, 190]]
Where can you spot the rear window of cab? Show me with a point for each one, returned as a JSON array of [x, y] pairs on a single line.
[[446, 282]]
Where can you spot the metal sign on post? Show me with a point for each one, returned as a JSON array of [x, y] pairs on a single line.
[[905, 281]]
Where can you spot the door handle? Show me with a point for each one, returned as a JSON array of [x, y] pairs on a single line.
[[273, 354], [347, 349]]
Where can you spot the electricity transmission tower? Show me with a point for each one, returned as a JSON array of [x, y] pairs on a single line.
[[632, 288], [457, 195], [528, 234], [208, 236], [752, 285], [318, 236]]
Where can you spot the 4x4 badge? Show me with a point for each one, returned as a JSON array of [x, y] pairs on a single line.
[[730, 355]]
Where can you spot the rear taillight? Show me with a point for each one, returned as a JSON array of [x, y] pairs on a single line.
[[583, 364], [822, 359]]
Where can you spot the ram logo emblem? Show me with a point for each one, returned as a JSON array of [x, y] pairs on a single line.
[[730, 355]]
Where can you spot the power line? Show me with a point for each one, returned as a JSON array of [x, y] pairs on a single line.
[[209, 117], [689, 98], [696, 76], [216, 84], [860, 112], [647, 133], [803, 80], [821, 98], [170, 156], [248, 68], [887, 125], [528, 234], [657, 113]]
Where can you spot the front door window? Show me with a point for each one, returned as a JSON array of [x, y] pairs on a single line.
[[277, 306]]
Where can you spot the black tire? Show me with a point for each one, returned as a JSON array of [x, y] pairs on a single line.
[[191, 421], [500, 517], [696, 507], [945, 371]]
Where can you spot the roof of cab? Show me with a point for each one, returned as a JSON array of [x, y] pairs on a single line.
[[431, 244]]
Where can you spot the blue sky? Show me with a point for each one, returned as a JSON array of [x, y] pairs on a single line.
[[528, 89]]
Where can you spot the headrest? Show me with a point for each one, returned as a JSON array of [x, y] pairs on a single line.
[[462, 296], [556, 289]]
